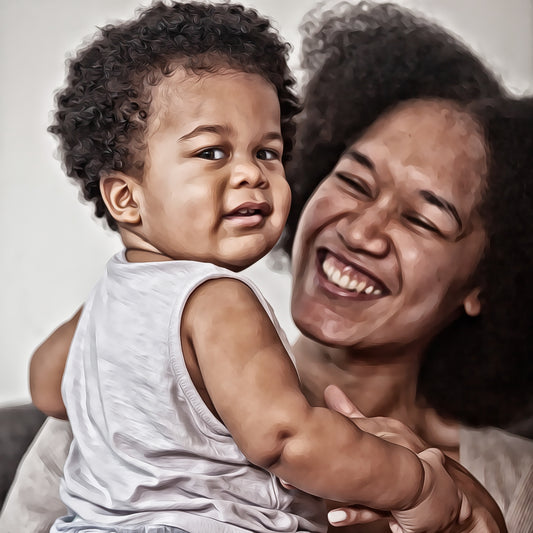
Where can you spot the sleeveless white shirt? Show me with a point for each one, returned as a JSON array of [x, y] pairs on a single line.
[[146, 448]]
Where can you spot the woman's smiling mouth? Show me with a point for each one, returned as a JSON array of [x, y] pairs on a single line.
[[348, 277]]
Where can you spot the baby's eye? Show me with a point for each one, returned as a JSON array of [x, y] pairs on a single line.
[[211, 153], [267, 154]]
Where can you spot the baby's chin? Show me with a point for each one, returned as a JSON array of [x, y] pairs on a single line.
[[237, 264], [244, 254]]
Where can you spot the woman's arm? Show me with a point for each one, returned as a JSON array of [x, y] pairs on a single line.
[[47, 366]]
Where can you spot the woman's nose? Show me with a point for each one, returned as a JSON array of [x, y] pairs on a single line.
[[366, 232], [247, 174]]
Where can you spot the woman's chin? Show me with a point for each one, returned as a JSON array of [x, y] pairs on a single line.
[[323, 326]]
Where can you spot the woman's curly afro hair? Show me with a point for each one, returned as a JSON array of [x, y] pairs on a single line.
[[480, 369], [362, 60], [102, 112]]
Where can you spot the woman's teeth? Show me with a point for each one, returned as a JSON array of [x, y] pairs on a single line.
[[345, 281]]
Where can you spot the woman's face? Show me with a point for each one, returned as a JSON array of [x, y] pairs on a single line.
[[387, 244]]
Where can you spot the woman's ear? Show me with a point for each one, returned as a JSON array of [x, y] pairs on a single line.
[[471, 303], [118, 192]]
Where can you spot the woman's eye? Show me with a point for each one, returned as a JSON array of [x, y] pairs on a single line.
[[267, 154], [211, 153], [422, 223], [356, 184]]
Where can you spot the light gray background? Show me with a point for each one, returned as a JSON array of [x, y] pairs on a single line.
[[53, 250]]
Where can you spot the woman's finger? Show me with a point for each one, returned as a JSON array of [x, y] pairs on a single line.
[[395, 527], [347, 516], [338, 401]]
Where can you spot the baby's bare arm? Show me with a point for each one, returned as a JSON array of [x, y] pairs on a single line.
[[47, 366], [486, 517], [255, 390]]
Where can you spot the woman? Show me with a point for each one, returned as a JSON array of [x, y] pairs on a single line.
[[369, 60], [395, 253], [444, 342]]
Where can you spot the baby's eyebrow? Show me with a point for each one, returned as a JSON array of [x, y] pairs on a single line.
[[225, 130], [273, 136], [206, 128]]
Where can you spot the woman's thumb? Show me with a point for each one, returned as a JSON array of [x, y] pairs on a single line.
[[338, 401]]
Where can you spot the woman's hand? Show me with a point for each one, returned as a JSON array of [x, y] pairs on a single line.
[[389, 429], [485, 515], [47, 366]]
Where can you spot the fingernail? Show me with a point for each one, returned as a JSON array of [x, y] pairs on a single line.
[[342, 404], [337, 516]]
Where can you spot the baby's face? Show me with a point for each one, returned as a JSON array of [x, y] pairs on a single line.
[[214, 187]]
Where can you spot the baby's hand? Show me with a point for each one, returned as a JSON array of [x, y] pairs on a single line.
[[440, 504]]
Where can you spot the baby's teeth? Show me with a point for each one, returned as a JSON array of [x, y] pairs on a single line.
[[344, 281], [336, 276], [377, 292], [369, 289], [352, 285]]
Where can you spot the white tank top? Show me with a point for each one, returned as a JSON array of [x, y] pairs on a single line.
[[146, 448]]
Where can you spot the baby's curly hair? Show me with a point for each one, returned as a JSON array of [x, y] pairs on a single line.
[[361, 61], [102, 112]]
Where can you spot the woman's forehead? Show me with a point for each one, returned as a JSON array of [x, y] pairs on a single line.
[[435, 137], [430, 123]]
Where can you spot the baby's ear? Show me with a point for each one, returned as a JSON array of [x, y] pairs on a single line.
[[471, 303], [118, 192]]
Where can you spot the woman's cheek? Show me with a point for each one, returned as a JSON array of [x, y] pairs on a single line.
[[324, 206]]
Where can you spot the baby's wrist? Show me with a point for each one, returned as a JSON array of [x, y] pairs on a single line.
[[429, 473], [422, 484], [435, 506]]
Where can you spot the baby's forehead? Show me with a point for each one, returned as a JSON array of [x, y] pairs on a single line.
[[189, 85], [188, 95]]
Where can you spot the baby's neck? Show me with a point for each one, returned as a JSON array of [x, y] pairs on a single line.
[[138, 255]]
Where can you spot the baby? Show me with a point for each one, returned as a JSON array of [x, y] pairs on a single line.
[[185, 406]]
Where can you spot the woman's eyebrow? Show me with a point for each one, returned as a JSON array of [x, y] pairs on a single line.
[[442, 204], [360, 158]]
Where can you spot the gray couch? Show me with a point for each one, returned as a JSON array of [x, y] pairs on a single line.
[[18, 426]]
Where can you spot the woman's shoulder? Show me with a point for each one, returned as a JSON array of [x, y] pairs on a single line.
[[503, 463], [485, 444]]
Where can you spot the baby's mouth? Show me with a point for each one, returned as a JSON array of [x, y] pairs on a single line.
[[249, 209], [250, 215], [349, 277]]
